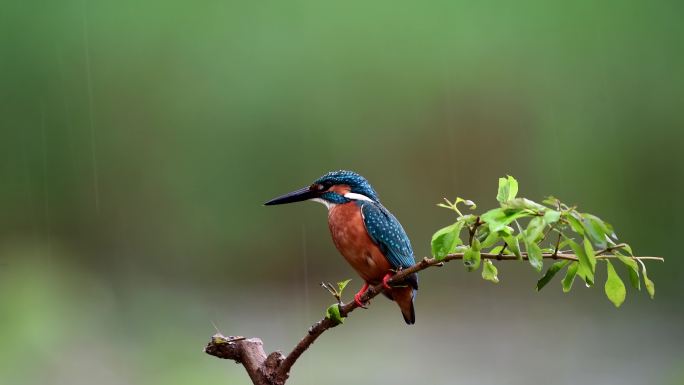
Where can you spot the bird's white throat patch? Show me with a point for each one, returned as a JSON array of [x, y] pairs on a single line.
[[325, 203]]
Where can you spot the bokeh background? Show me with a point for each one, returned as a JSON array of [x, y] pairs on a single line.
[[139, 140]]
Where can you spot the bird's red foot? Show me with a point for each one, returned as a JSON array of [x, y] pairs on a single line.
[[385, 279], [357, 296]]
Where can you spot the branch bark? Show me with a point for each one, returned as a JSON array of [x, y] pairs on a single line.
[[250, 353], [274, 369]]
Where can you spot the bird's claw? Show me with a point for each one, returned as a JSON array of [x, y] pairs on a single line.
[[357, 296], [357, 299], [385, 279]]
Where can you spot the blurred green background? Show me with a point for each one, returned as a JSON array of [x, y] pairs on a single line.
[[139, 140]]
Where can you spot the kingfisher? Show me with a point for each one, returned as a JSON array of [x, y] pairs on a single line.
[[367, 235]]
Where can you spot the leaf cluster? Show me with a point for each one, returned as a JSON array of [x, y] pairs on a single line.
[[526, 230]]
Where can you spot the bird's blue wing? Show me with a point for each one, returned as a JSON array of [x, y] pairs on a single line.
[[386, 231]]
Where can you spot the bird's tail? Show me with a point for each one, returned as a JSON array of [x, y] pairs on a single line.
[[403, 296]]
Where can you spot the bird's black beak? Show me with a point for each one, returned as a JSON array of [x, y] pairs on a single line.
[[296, 196]]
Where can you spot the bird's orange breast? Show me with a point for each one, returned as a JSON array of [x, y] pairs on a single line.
[[352, 240]]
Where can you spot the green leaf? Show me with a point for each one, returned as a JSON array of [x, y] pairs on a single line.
[[508, 230], [496, 249], [471, 257], [627, 248], [513, 245], [586, 268], [491, 239], [591, 254], [570, 276], [596, 229], [534, 230], [476, 245], [466, 202], [534, 256], [551, 201], [650, 286], [523, 204], [489, 271], [575, 223], [550, 273], [333, 313], [551, 216], [508, 188], [445, 240], [615, 289], [498, 219], [633, 268], [341, 285]]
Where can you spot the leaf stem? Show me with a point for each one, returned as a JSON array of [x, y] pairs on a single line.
[[555, 251]]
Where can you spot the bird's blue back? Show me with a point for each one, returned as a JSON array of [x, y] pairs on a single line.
[[386, 231]]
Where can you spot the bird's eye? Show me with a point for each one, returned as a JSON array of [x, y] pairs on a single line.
[[317, 187]]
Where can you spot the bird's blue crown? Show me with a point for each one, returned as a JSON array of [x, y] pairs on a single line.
[[356, 182]]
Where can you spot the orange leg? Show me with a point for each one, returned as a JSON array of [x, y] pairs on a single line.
[[385, 279], [357, 296]]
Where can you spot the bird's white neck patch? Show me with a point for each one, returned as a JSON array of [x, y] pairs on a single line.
[[357, 197], [352, 196], [328, 205]]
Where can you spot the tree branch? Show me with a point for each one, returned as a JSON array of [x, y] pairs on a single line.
[[248, 352], [274, 369]]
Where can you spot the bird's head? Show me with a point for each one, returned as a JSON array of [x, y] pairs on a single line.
[[335, 187]]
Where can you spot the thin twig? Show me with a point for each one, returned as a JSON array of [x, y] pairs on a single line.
[[472, 229], [555, 251]]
